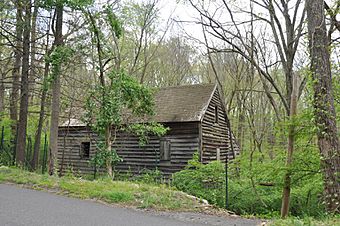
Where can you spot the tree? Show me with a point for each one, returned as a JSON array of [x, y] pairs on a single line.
[[43, 98], [116, 95], [172, 65], [33, 67], [59, 56], [107, 107], [22, 124], [56, 73], [5, 65], [283, 34], [325, 115], [2, 92], [16, 66]]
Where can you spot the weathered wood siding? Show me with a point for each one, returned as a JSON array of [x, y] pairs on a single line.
[[205, 136], [184, 139], [69, 144], [184, 142], [215, 135]]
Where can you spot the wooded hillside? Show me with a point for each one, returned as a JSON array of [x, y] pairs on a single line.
[[276, 62]]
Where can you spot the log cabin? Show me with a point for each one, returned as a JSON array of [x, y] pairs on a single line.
[[197, 122]]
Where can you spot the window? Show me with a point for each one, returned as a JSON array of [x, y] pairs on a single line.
[[218, 154], [85, 150], [164, 149], [216, 114]]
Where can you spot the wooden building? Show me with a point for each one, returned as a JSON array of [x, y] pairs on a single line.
[[197, 121]]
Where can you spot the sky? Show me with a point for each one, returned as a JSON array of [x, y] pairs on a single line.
[[178, 10]]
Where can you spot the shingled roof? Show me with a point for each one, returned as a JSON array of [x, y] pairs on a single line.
[[176, 104], [182, 103]]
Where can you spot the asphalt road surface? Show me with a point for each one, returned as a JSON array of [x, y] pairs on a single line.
[[19, 206]]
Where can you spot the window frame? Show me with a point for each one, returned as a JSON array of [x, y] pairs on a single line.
[[165, 149], [85, 149], [216, 114], [218, 154]]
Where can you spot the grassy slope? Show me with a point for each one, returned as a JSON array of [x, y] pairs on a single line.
[[126, 193], [139, 195], [293, 221]]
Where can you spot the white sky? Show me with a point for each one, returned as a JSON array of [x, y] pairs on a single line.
[[185, 12], [181, 11], [178, 11]]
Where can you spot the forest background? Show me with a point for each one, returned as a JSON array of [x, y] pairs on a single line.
[[280, 95]]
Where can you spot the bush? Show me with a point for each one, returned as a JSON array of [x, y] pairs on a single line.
[[6, 144], [205, 181], [7, 140], [150, 176], [246, 198]]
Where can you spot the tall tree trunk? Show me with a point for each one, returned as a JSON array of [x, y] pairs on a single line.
[[108, 130], [33, 51], [23, 114], [2, 93], [289, 159], [13, 108], [325, 114], [2, 78], [37, 140], [58, 42]]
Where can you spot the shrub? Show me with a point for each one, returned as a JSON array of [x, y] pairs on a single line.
[[204, 181], [247, 198], [150, 176]]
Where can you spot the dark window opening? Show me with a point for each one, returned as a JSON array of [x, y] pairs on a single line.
[[164, 149], [216, 114], [85, 150]]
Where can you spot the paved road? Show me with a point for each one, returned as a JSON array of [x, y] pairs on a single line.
[[20, 206]]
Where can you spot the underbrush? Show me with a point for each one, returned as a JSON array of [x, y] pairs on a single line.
[[257, 192]]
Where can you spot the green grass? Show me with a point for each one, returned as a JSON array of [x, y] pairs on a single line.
[[295, 221], [141, 195]]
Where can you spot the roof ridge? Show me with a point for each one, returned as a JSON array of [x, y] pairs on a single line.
[[187, 85]]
